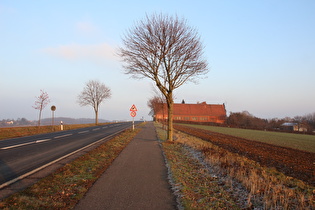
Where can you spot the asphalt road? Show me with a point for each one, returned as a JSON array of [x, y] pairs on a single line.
[[20, 156]]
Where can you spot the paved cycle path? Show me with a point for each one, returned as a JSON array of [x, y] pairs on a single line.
[[137, 179]]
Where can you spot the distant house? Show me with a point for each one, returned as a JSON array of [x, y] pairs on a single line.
[[289, 126], [200, 112], [10, 122]]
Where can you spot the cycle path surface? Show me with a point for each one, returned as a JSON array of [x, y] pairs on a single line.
[[137, 179]]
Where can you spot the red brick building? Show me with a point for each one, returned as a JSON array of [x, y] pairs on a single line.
[[200, 112]]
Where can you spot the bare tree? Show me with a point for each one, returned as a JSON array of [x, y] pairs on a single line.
[[166, 50], [93, 94], [156, 104], [41, 102]]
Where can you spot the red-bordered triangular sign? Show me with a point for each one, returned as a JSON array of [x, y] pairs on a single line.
[[133, 108]]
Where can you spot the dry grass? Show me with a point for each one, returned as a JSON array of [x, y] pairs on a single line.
[[249, 184], [65, 187], [193, 185]]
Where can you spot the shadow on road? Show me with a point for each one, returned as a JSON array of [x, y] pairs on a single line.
[[6, 173]]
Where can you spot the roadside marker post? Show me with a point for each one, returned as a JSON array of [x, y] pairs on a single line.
[[133, 113]]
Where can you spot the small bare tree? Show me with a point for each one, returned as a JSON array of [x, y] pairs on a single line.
[[156, 104], [167, 51], [41, 102], [94, 94]]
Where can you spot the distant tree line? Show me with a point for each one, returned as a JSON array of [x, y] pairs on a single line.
[[17, 122], [246, 120]]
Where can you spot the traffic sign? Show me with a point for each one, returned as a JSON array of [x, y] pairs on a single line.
[[133, 108], [53, 108], [133, 114]]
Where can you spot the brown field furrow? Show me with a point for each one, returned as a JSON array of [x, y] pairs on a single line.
[[292, 162]]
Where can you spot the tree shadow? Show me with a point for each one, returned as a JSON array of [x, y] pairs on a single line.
[[6, 172]]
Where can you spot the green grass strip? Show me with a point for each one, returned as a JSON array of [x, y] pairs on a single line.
[[295, 141]]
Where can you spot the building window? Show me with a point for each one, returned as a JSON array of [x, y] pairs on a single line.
[[203, 118], [195, 118]]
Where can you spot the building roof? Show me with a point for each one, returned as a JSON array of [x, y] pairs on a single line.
[[289, 124], [199, 109]]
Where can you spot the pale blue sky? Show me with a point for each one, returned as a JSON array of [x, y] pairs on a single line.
[[261, 55]]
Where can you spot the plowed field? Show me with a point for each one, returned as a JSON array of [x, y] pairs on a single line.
[[292, 162]]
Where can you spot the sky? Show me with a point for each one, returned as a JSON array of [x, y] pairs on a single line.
[[261, 56]]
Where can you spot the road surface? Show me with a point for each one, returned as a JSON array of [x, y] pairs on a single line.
[[23, 155]]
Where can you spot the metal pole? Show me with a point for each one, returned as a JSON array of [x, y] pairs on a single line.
[[52, 120], [53, 109]]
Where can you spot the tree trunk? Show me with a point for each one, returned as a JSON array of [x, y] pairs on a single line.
[[96, 117], [170, 117], [39, 116]]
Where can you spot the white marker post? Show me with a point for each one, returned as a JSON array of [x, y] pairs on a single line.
[[133, 113]]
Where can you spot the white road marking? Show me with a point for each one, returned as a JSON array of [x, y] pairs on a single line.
[[28, 143], [83, 132], [42, 140], [57, 137], [18, 145], [95, 129], [34, 142]]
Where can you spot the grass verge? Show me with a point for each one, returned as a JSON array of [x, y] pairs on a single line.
[[194, 186], [206, 176], [65, 187]]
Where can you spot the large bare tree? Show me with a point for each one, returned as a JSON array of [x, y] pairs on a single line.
[[41, 102], [94, 94], [166, 50]]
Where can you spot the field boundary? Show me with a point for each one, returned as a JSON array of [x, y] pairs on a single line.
[[292, 162]]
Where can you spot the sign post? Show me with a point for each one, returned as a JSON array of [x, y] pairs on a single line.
[[53, 109], [133, 113]]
